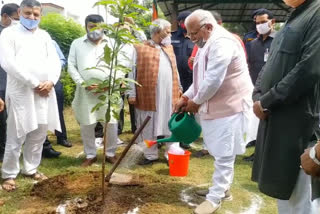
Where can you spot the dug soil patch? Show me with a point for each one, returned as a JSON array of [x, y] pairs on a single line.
[[81, 193]]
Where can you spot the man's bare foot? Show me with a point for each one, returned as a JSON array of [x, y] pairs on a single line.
[[9, 185], [37, 176]]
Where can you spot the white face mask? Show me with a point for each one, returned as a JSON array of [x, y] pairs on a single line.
[[263, 28], [14, 22], [166, 41]]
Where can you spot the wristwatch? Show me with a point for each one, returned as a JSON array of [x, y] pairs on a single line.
[[313, 155]]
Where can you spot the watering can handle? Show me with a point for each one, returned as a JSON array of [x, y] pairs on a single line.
[[174, 115]]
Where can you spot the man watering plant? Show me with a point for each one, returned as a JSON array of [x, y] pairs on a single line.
[[221, 94], [156, 71]]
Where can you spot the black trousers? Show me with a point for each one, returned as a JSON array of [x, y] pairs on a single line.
[[3, 126], [60, 100]]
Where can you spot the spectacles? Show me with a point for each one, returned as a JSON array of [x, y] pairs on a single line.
[[195, 33]]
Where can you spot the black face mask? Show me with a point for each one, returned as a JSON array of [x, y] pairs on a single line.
[[181, 31]]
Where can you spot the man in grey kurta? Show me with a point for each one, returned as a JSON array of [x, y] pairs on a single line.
[[287, 95], [85, 52]]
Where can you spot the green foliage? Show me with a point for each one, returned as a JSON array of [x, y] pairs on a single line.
[[68, 87], [110, 88], [62, 30]]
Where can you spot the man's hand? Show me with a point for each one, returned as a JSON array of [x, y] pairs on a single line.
[[92, 87], [191, 60], [1, 105], [182, 102], [132, 100], [191, 107], [308, 165], [44, 88], [258, 111]]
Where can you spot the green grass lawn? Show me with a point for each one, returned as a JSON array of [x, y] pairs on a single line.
[[166, 196]]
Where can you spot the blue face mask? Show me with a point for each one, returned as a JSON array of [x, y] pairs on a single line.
[[29, 23]]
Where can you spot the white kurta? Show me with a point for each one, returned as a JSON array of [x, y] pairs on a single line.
[[30, 58]]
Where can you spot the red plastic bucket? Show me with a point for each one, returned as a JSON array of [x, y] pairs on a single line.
[[179, 164]]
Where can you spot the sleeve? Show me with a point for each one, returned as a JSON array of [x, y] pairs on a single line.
[[307, 70], [9, 63], [60, 54], [72, 65], [219, 58], [131, 93], [54, 61], [257, 89]]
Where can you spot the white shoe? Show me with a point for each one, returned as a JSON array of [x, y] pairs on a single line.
[[119, 141], [99, 142], [207, 207]]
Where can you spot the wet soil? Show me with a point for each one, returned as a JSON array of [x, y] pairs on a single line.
[[81, 194]]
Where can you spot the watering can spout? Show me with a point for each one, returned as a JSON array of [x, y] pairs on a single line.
[[167, 140], [150, 143], [183, 127]]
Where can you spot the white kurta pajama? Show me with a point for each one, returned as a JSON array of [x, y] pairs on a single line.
[[223, 137], [158, 124], [28, 58], [83, 55]]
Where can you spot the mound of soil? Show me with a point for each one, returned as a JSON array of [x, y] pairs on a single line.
[[81, 193]]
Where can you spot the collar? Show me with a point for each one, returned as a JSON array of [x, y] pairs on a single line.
[[271, 35]]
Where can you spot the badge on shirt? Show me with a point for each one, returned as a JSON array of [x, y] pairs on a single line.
[[266, 55]]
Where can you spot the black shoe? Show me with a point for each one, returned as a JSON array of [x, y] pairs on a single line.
[[249, 158], [251, 144], [146, 161], [64, 143], [159, 145], [184, 146], [201, 153], [50, 153]]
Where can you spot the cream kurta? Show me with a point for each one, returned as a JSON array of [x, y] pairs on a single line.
[[30, 58], [83, 55]]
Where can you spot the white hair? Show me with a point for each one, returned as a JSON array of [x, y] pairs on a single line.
[[158, 25], [204, 17]]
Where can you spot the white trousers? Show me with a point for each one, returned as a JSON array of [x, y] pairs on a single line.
[[32, 150], [222, 178], [88, 139], [300, 200], [152, 153]]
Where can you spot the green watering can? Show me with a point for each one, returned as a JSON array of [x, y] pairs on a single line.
[[184, 128]]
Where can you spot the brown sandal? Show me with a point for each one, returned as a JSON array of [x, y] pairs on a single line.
[[37, 176], [9, 185]]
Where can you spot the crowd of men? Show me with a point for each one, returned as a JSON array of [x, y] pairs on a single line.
[[264, 90]]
